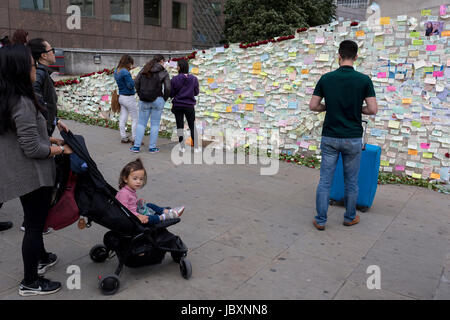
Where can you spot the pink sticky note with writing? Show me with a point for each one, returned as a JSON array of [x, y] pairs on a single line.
[[381, 75], [105, 98], [399, 168], [425, 145], [442, 10], [438, 74], [304, 144], [391, 88], [431, 47]]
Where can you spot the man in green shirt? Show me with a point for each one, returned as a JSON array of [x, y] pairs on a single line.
[[344, 91]]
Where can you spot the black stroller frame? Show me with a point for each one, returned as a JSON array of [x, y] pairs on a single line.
[[133, 243]]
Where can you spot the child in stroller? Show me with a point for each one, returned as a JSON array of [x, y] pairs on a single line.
[[132, 178]]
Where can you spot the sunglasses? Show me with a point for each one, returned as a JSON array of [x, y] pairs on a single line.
[[52, 50]]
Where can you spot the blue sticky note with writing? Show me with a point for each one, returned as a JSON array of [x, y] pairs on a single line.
[[261, 101], [235, 108], [375, 132], [264, 57], [213, 85], [293, 105]]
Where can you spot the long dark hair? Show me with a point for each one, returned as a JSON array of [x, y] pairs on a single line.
[[128, 169], [15, 82], [125, 62], [20, 37], [184, 66], [149, 66]]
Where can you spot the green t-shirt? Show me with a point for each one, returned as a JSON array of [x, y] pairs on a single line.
[[344, 91]]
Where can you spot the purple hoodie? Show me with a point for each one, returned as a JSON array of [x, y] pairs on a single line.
[[184, 88]]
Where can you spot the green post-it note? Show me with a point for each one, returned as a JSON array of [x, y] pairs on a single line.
[[416, 124], [414, 34], [417, 175], [426, 12], [385, 163], [428, 155], [428, 69], [417, 42]]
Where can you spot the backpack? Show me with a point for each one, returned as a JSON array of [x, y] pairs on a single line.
[[151, 88]]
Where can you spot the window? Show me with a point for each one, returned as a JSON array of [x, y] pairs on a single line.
[[41, 5], [217, 8], [86, 6], [120, 10], [179, 15], [152, 12]]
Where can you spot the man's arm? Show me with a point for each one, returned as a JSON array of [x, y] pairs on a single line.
[[372, 106], [316, 105]]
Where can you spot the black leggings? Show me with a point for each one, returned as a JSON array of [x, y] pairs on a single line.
[[35, 205], [189, 112]]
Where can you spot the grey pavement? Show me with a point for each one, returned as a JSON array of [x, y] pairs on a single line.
[[251, 236]]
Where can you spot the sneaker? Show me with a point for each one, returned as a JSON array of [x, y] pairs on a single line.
[[44, 265], [135, 149], [178, 211], [41, 286], [318, 226], [44, 233], [5, 225], [153, 150]]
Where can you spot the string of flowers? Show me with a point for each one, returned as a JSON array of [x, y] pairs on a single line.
[[72, 81]]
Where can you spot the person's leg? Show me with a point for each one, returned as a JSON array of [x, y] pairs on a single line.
[[190, 117], [35, 206], [158, 210], [330, 156], [123, 118], [157, 108], [144, 114], [351, 157], [179, 118], [134, 113]]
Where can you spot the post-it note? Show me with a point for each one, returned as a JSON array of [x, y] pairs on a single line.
[[385, 20], [412, 152], [431, 47]]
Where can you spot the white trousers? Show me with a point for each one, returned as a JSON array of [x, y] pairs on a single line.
[[128, 105]]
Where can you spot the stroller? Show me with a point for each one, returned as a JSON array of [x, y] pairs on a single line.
[[133, 243]]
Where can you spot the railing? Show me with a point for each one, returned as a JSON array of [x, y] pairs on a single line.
[[353, 3]]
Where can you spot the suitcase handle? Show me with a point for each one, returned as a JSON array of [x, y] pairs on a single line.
[[364, 135]]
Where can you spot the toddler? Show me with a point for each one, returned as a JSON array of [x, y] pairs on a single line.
[[132, 178]]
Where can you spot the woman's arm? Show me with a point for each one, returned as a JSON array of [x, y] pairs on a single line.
[[129, 80]]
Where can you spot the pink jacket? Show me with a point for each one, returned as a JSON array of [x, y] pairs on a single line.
[[128, 197]]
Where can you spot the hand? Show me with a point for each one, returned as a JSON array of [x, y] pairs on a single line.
[[67, 149], [62, 126], [58, 142], [144, 219]]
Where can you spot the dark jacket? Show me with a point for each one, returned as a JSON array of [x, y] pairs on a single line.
[[149, 89], [44, 89], [184, 89]]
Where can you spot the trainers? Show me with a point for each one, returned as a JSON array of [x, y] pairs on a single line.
[[355, 221], [178, 211], [41, 286], [135, 149], [153, 150], [44, 233], [44, 265]]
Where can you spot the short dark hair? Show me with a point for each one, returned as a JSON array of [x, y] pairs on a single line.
[[37, 47], [348, 49], [128, 169], [184, 66]]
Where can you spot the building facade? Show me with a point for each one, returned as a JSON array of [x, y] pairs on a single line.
[[105, 24], [208, 23]]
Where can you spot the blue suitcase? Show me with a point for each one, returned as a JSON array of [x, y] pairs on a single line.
[[367, 179]]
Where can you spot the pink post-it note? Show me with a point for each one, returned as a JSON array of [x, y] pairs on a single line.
[[425, 145], [438, 74], [442, 10], [381, 75], [431, 47], [105, 98], [391, 89], [399, 168], [304, 144]]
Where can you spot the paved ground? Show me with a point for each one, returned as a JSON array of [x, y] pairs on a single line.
[[251, 236]]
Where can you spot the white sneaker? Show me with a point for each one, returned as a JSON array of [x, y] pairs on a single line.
[[178, 211]]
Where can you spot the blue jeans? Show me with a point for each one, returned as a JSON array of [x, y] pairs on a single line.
[[351, 155], [152, 110], [154, 218]]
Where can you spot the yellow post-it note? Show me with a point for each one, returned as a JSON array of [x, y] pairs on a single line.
[[427, 155], [417, 42], [445, 33], [412, 152], [407, 101], [287, 87], [312, 148], [435, 175], [276, 84], [248, 107], [385, 20], [194, 70], [394, 124], [229, 109], [257, 66], [414, 53], [384, 163], [292, 54], [417, 175], [324, 57], [210, 80], [426, 12], [360, 33]]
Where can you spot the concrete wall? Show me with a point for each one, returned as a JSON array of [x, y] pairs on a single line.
[[81, 61], [99, 31]]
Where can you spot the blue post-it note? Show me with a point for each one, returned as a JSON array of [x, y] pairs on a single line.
[[293, 105]]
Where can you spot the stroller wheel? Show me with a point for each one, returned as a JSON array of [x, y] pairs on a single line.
[[99, 253], [110, 285], [185, 268], [176, 256]]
